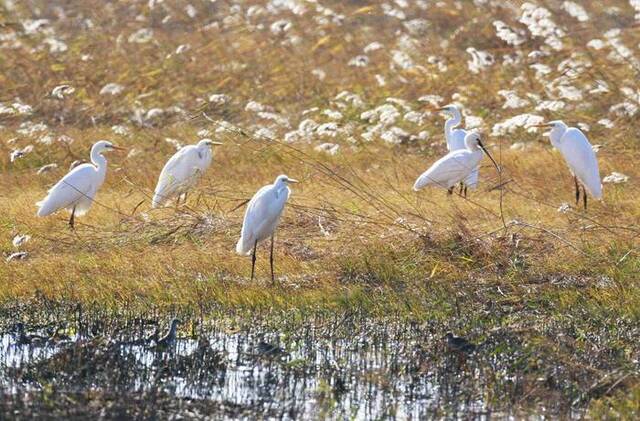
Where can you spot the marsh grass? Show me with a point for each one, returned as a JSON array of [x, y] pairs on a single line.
[[354, 235]]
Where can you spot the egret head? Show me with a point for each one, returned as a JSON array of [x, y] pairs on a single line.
[[553, 125], [558, 127], [208, 143], [283, 179], [450, 109], [175, 322], [473, 141], [105, 146]]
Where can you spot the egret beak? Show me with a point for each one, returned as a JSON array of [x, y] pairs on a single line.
[[291, 180], [216, 143], [489, 155], [117, 148], [442, 109]]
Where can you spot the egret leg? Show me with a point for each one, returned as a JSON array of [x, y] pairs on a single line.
[[450, 190], [465, 191], [584, 198], [461, 188], [575, 179], [273, 277], [72, 219], [253, 259]]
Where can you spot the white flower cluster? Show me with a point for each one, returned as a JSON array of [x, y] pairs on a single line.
[[538, 21], [508, 34]]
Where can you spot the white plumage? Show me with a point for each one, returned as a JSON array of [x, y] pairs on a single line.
[[455, 140], [455, 166], [262, 216], [579, 156], [182, 171], [76, 190]]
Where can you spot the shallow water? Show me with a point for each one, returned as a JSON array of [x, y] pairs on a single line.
[[368, 370]]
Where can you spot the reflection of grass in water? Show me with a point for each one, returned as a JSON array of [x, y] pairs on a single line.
[[338, 352], [354, 236], [347, 351]]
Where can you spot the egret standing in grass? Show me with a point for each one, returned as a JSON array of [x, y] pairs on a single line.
[[262, 217], [182, 172], [76, 191], [455, 166], [579, 156], [455, 141]]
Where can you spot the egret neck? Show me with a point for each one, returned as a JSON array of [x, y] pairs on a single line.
[[279, 187], [451, 123], [558, 130], [98, 159]]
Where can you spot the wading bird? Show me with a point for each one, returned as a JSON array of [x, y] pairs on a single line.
[[455, 166], [262, 217], [168, 340], [182, 171], [579, 156], [459, 344], [76, 190], [455, 141]]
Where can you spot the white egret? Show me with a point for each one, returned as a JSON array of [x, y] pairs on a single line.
[[455, 166], [455, 141], [579, 156], [262, 217], [182, 171], [76, 190]]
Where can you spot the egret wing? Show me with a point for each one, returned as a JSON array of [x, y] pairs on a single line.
[[262, 216], [71, 189], [255, 207], [581, 158], [176, 175], [448, 170], [456, 140]]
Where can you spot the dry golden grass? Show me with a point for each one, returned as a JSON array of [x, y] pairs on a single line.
[[381, 246]]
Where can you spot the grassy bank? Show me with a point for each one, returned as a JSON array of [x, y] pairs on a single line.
[[516, 259]]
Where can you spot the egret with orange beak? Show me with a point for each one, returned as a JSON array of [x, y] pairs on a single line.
[[182, 171], [76, 190], [262, 217]]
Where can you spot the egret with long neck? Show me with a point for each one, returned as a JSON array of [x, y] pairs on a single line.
[[262, 217], [579, 156], [454, 137], [182, 171], [76, 190]]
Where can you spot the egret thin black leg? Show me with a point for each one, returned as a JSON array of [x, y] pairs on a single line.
[[465, 191], [584, 197], [273, 277], [72, 219], [253, 259], [450, 190], [461, 187], [575, 179]]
